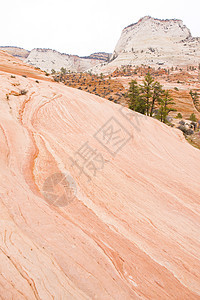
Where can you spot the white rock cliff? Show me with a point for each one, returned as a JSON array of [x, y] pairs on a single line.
[[47, 59], [155, 42]]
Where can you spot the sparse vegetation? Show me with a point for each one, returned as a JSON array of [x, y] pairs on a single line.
[[193, 117], [111, 87], [192, 141], [195, 99], [102, 85]]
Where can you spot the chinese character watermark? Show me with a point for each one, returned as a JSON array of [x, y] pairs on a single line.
[[88, 161], [59, 189], [113, 136]]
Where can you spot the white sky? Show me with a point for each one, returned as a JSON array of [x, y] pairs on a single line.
[[83, 27]]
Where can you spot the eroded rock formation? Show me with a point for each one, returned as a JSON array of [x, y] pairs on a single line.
[[131, 231], [155, 42]]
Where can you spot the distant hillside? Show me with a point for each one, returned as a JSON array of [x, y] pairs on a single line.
[[16, 51], [103, 56], [48, 59]]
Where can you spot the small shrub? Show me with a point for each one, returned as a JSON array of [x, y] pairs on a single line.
[[23, 92], [12, 76], [63, 71], [24, 76], [179, 116], [176, 89], [37, 81], [193, 117]]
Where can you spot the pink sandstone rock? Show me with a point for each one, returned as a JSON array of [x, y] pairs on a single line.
[[131, 232]]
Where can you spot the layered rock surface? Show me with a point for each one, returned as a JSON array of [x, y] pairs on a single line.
[[15, 66], [131, 232], [155, 42], [16, 51], [47, 59], [102, 56]]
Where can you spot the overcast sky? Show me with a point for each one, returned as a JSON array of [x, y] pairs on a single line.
[[83, 27]]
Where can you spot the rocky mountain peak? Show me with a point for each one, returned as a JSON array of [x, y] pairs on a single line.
[[155, 42]]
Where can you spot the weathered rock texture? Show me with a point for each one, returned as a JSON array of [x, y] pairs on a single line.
[[16, 67], [16, 51], [155, 42], [47, 59], [132, 231], [102, 56]]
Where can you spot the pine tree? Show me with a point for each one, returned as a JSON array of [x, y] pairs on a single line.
[[63, 71], [146, 97], [147, 91], [164, 108], [135, 100], [157, 95]]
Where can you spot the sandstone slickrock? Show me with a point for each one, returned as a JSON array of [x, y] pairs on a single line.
[[154, 42], [15, 66], [16, 51], [47, 59], [132, 231]]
